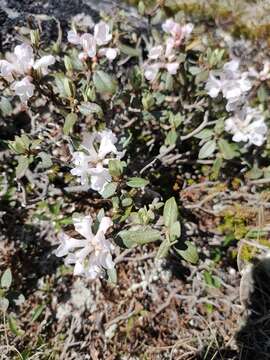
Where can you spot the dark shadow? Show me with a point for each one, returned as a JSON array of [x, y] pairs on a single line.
[[30, 254], [253, 339]]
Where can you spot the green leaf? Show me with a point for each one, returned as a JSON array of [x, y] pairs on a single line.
[[104, 83], [88, 108], [207, 149], [37, 312], [164, 249], [227, 150], [63, 85], [136, 182], [14, 328], [139, 236], [4, 304], [211, 280], [194, 70], [6, 279], [23, 163], [254, 173], [175, 231], [112, 274], [170, 212], [171, 138], [128, 50], [216, 168], [45, 159], [109, 190], [5, 106], [204, 134], [69, 123], [190, 254], [115, 167]]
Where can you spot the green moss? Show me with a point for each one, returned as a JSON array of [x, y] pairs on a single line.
[[234, 224]]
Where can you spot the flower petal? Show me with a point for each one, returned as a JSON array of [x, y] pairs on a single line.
[[83, 225], [73, 37], [102, 33]]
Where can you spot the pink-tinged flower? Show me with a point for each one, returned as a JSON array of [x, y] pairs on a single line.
[[102, 33], [92, 254], [177, 32], [91, 162], [247, 125], [88, 44], [91, 43], [24, 89]]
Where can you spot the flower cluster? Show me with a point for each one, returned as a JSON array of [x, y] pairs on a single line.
[[93, 45], [164, 57], [246, 124], [91, 161], [177, 32], [21, 63], [231, 82], [92, 254]]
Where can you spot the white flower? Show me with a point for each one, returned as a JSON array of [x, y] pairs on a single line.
[[247, 125], [92, 254], [172, 67], [91, 162], [102, 33], [73, 37], [232, 83], [24, 58], [21, 63], [151, 71], [155, 52], [110, 53], [213, 86], [178, 32], [90, 43], [23, 88], [43, 63], [166, 60]]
